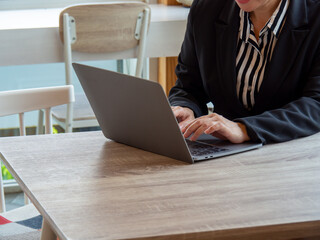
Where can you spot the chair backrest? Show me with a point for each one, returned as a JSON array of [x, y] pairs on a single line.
[[102, 28], [26, 100]]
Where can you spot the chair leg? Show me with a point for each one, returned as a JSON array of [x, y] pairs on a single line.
[[26, 199], [120, 66], [40, 122], [146, 68], [2, 199], [69, 118], [46, 232]]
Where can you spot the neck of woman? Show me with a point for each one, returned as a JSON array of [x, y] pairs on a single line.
[[261, 15]]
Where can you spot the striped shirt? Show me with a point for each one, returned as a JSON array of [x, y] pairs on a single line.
[[253, 55]]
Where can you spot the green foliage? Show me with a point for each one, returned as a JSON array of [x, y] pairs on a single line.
[[54, 130], [5, 173]]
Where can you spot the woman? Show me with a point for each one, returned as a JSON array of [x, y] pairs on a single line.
[[258, 62]]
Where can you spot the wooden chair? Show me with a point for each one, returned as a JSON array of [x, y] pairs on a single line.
[[96, 29], [26, 100]]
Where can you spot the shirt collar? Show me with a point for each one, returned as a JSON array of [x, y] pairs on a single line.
[[274, 23]]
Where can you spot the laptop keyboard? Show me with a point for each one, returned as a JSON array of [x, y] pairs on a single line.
[[201, 149]]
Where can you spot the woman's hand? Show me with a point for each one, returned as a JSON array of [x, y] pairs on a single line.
[[184, 115], [217, 126]]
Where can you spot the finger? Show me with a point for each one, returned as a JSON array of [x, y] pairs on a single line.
[[219, 130], [213, 128], [191, 128], [197, 133], [176, 109], [183, 125], [180, 114], [216, 117], [186, 124]]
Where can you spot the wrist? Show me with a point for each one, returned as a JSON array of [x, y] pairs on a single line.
[[244, 132]]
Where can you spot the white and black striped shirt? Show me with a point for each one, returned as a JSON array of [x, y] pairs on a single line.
[[253, 55]]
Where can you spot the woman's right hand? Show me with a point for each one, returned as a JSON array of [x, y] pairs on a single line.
[[184, 115]]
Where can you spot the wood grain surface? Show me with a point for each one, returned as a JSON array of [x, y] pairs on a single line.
[[104, 27], [88, 187]]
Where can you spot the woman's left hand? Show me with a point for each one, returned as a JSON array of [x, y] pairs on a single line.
[[217, 126]]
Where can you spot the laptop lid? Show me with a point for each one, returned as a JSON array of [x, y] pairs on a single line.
[[133, 111], [136, 112]]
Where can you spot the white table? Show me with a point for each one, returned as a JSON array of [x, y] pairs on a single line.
[[31, 36]]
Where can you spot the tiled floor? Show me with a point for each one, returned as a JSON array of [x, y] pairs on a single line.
[[14, 200]]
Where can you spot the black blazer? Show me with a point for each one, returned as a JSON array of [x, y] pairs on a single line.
[[288, 103]]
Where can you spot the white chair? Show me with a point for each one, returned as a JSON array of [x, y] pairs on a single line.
[[95, 29], [26, 100]]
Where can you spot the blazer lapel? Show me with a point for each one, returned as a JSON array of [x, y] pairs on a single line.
[[227, 29], [286, 49]]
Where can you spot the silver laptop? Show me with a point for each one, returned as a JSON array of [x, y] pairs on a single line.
[[136, 112]]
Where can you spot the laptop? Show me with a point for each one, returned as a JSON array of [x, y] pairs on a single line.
[[136, 112]]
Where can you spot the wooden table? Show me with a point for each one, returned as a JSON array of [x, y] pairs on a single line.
[[87, 187]]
